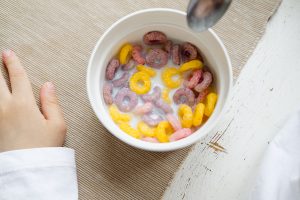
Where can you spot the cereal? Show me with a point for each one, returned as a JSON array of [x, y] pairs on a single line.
[[184, 96], [191, 65], [122, 80], [157, 58], [198, 114], [204, 84], [152, 119], [145, 129], [194, 80], [165, 95], [137, 54], [117, 116], [163, 106], [167, 77], [186, 80], [168, 47], [180, 134], [154, 38], [144, 109], [185, 114], [129, 130], [111, 69], [151, 72], [211, 101], [125, 54], [124, 94], [174, 122], [107, 93], [153, 96], [150, 139], [189, 52], [162, 131], [129, 65], [201, 96], [175, 52], [140, 83]]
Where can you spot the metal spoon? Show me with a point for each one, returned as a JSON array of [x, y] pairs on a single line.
[[203, 14]]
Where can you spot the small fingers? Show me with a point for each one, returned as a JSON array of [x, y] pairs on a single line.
[[4, 91], [19, 81], [50, 107]]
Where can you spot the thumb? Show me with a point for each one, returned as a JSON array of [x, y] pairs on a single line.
[[49, 103]]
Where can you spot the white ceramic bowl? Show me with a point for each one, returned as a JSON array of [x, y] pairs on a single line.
[[131, 28]]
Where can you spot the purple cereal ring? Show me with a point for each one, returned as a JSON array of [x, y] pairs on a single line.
[[137, 54], [194, 80], [152, 119], [153, 96], [157, 58], [163, 106], [184, 96], [154, 38], [144, 109], [124, 94], [168, 47], [107, 93], [206, 81], [175, 52], [122, 80], [111, 69], [189, 52], [129, 65]]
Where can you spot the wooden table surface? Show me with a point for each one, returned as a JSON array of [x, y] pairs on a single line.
[[224, 164]]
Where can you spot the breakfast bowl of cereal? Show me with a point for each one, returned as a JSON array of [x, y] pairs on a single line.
[[157, 85]]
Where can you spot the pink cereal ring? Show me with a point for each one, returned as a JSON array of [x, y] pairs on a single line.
[[153, 96], [207, 79], [194, 80], [174, 122], [150, 139], [184, 96], [137, 54], [176, 54], [122, 80], [107, 93], [163, 106], [152, 119], [111, 69], [201, 96], [129, 65], [120, 100], [154, 38], [157, 58], [180, 134], [144, 109]]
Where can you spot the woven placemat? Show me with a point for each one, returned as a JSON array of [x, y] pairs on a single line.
[[54, 40]]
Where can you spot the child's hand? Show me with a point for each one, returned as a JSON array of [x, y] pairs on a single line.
[[22, 125]]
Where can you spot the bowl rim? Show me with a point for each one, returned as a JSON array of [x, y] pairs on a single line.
[[158, 147]]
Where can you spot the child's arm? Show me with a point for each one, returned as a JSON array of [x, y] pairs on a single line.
[[32, 163]]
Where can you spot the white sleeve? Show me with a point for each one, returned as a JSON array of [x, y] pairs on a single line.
[[38, 174]]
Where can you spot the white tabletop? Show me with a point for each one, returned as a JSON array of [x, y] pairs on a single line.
[[265, 94]]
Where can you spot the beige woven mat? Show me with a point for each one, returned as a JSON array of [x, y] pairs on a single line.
[[54, 40]]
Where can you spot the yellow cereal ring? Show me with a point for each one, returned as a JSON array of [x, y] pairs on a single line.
[[198, 114], [151, 72], [163, 130], [167, 77], [165, 95], [145, 129], [117, 116], [185, 115], [211, 100], [125, 54], [140, 83], [191, 65], [129, 130]]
